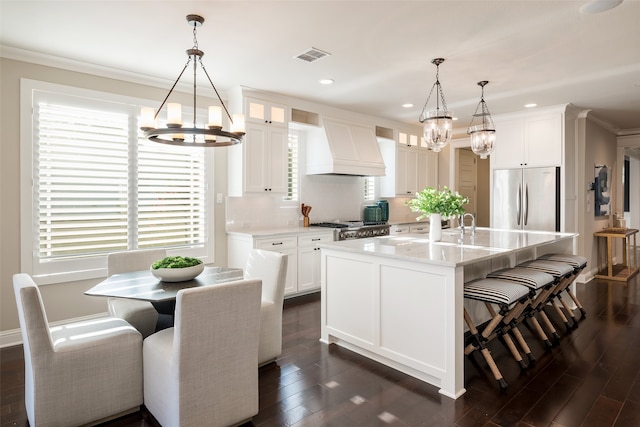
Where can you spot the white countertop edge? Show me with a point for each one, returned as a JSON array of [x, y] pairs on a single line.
[[454, 254], [280, 231]]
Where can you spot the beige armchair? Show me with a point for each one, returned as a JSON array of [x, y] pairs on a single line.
[[271, 268], [204, 370], [79, 372], [140, 314]]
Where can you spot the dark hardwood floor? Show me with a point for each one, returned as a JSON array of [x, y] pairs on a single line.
[[590, 378]]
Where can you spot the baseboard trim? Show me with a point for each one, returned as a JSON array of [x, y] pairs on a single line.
[[13, 337]]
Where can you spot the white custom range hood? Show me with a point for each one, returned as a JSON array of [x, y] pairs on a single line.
[[343, 148]]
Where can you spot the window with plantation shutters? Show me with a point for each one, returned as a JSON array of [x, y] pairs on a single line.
[[292, 167], [369, 188], [97, 187], [81, 181]]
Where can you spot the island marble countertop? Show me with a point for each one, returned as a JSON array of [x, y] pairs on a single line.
[[454, 249]]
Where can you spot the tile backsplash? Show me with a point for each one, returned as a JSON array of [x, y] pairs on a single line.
[[332, 197]]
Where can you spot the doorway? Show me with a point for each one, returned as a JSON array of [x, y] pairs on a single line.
[[631, 187], [472, 179]]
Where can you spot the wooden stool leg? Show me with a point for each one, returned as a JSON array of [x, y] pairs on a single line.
[[540, 331], [514, 351], [483, 350], [523, 344], [563, 318], [574, 322], [549, 325]]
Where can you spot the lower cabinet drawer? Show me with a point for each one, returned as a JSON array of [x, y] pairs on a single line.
[[277, 244]]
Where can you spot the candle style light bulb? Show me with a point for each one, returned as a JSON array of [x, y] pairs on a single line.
[[174, 115], [215, 117]]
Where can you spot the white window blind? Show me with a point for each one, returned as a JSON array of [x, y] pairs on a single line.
[[171, 196], [369, 188], [97, 187], [292, 168], [82, 181]]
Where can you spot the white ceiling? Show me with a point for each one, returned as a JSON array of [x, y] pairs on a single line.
[[545, 52]]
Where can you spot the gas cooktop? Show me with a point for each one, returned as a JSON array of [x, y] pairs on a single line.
[[346, 224], [348, 230]]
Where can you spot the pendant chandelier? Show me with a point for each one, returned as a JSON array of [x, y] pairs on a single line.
[[483, 135], [438, 123], [211, 135]]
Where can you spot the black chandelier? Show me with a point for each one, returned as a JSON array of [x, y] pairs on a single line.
[[212, 135]]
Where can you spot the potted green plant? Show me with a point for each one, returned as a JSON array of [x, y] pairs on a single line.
[[437, 205]]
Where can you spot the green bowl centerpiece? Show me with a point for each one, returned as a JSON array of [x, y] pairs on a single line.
[[177, 268]]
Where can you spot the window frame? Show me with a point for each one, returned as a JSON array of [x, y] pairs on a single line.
[[89, 267]]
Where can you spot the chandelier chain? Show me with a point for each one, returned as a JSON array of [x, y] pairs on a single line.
[[439, 93], [195, 38]]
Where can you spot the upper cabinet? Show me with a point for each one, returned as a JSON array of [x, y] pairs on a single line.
[[261, 111], [259, 163], [265, 159], [410, 168], [532, 141]]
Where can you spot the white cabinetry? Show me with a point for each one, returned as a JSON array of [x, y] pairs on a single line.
[[399, 229], [416, 168], [261, 111], [259, 164], [309, 260], [265, 163], [303, 263], [528, 142], [542, 138], [288, 246], [419, 228], [410, 167]]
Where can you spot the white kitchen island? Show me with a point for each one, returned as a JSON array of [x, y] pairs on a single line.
[[398, 299]]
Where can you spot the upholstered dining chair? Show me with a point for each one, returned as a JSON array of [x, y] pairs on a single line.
[[80, 372], [204, 370], [140, 314], [271, 268]]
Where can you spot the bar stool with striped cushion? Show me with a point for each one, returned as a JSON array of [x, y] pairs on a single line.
[[563, 274], [578, 263], [540, 286], [511, 298]]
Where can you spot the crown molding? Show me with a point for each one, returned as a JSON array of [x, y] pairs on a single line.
[[73, 65]]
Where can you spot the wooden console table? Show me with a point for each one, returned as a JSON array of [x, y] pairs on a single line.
[[627, 269]]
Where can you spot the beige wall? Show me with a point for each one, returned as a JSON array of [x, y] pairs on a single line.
[[600, 147], [62, 301]]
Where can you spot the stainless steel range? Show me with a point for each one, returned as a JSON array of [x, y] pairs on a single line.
[[355, 229]]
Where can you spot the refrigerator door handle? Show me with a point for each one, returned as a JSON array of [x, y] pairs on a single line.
[[526, 204], [519, 204]]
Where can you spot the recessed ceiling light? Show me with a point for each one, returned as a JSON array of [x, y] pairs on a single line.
[[326, 81], [407, 105], [530, 105], [599, 6], [454, 118]]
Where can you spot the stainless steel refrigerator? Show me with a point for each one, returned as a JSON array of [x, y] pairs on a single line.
[[527, 199]]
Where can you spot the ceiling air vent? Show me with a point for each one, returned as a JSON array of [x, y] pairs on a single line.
[[312, 55]]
